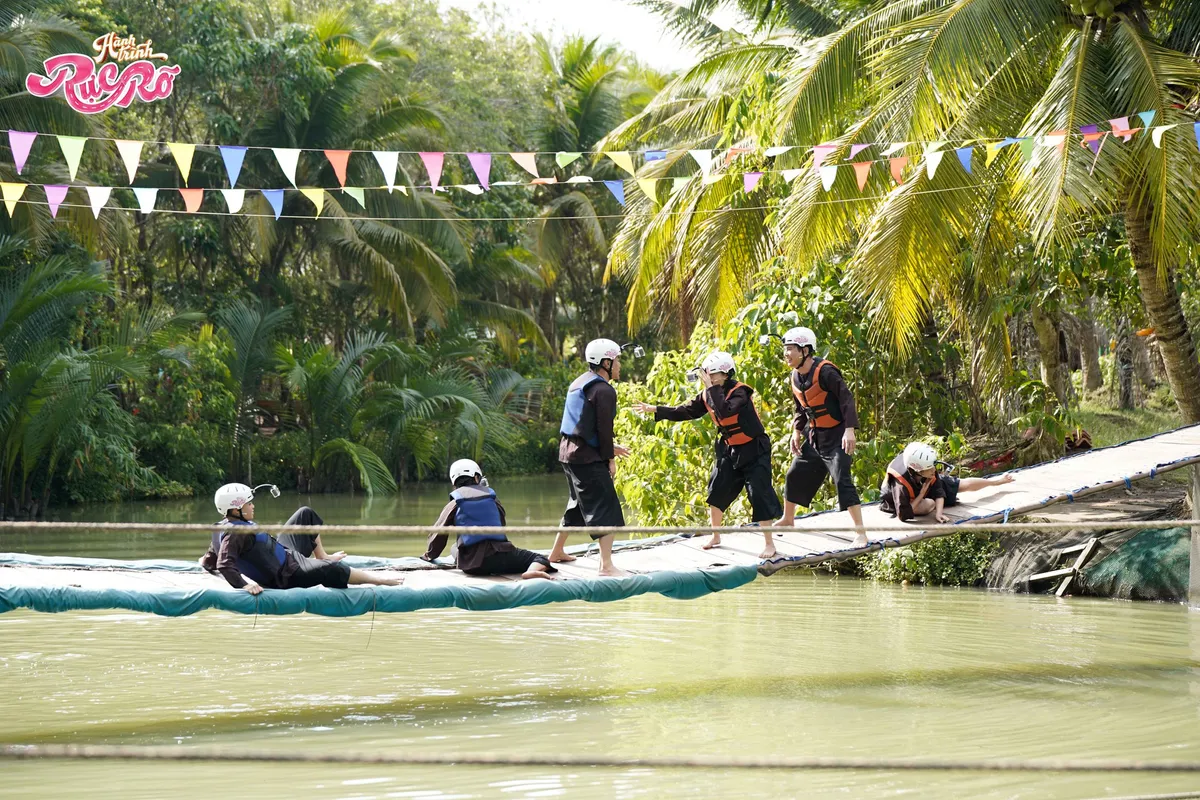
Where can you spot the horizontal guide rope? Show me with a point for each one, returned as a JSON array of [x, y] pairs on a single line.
[[974, 527], [145, 753]]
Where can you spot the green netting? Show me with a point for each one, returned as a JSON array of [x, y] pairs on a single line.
[[1153, 565]]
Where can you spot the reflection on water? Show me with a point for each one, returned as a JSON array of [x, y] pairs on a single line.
[[796, 665]]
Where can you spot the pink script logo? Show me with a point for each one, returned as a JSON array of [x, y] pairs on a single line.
[[90, 89]]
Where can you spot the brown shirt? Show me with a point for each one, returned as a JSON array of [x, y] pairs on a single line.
[[469, 557], [238, 544]]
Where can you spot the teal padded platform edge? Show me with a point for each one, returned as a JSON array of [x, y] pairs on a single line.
[[171, 565], [356, 601]]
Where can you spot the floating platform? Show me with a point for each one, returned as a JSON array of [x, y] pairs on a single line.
[[674, 565]]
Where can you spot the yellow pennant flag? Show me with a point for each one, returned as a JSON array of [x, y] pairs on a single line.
[[622, 160], [649, 187], [993, 150], [12, 193], [317, 196], [183, 153]]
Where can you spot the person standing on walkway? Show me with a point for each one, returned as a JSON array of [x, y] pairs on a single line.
[[743, 449], [823, 431], [588, 454]]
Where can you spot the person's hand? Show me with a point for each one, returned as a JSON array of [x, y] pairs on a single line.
[[705, 379], [940, 517], [612, 468], [645, 409], [338, 556], [253, 588], [797, 442], [848, 441], [620, 451]]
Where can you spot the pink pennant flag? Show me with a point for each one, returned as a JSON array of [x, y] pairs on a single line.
[[862, 169], [898, 165], [482, 164], [433, 165], [55, 194], [822, 152], [750, 180], [1120, 127], [527, 161], [339, 159], [20, 142], [192, 199], [855, 149]]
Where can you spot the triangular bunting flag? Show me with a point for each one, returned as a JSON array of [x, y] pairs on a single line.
[[357, 193], [234, 199], [828, 175], [1196, 131], [750, 181], [131, 155], [55, 194], [338, 159], [622, 160], [527, 162], [387, 164], [482, 164], [862, 169], [892, 149], [1026, 144], [855, 149], [1157, 133], [11, 192], [1091, 137], [821, 152], [288, 158], [563, 159], [183, 153], [734, 152], [678, 183], [580, 179], [790, 175], [703, 158], [1147, 117], [993, 150], [771, 152], [933, 147], [964, 157], [898, 165], [711, 178], [192, 198], [317, 196], [618, 190], [544, 181], [1056, 138], [649, 187], [72, 150], [274, 198], [433, 165], [470, 188], [20, 142], [233, 158], [97, 197], [145, 199], [654, 155], [1120, 127], [932, 160]]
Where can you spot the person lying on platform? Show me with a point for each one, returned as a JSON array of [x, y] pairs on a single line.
[[914, 487], [257, 561], [743, 449], [473, 505]]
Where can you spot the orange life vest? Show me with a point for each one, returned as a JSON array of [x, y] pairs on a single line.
[[912, 494], [814, 399], [734, 430]]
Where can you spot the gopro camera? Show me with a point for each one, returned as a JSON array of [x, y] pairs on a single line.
[[638, 352], [693, 375], [274, 489]]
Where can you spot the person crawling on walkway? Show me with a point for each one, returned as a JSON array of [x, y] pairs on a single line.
[[914, 487], [743, 449], [257, 561], [474, 504]]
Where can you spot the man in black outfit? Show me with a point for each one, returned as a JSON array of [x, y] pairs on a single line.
[[588, 454], [823, 439], [743, 449]]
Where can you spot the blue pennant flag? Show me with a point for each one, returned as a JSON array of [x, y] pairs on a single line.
[[618, 190], [1147, 117], [964, 157], [275, 198], [655, 155], [1196, 130], [233, 157]]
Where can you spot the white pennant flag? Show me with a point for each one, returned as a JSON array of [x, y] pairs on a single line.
[[287, 157], [895, 148], [1156, 134], [387, 163], [471, 188], [777, 151], [828, 176], [790, 175], [931, 162], [580, 179], [708, 180], [145, 198], [703, 158], [98, 196], [234, 199], [131, 154]]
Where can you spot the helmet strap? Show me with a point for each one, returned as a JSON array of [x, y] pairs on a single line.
[[607, 369]]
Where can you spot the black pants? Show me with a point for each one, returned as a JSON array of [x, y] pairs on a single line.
[[594, 502], [315, 572], [727, 482], [814, 464], [511, 562], [302, 543]]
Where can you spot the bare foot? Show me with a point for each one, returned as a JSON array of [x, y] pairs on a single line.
[[715, 541], [860, 540], [533, 574], [560, 558], [768, 553], [613, 572], [783, 523]]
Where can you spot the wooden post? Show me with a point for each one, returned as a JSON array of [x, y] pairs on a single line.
[[1194, 564]]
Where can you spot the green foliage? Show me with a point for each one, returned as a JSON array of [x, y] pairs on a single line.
[[958, 560]]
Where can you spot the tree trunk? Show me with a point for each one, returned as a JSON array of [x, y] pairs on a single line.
[[1141, 363], [1160, 297], [1089, 351], [941, 405], [1124, 361], [1053, 372], [547, 314]]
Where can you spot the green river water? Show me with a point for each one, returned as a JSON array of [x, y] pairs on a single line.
[[795, 665]]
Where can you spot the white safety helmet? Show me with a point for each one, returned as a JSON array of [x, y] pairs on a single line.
[[801, 337], [464, 468], [919, 456], [599, 349], [232, 495], [718, 361]]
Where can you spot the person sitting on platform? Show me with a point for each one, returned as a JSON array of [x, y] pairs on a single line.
[[474, 504], [257, 561], [914, 487]]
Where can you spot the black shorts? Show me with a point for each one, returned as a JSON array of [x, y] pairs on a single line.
[[727, 482], [594, 502], [302, 543], [510, 562], [950, 487], [814, 464], [314, 572]]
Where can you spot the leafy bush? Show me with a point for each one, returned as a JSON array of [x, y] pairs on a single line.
[[958, 560]]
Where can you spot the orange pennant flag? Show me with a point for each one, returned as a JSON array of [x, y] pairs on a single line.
[[862, 169], [192, 199], [898, 165], [339, 159]]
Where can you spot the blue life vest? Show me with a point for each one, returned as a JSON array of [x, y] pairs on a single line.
[[477, 509], [572, 418], [261, 563]]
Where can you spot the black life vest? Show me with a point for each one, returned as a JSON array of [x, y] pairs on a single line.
[[263, 562]]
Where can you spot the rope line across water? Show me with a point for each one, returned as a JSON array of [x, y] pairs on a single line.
[[150, 753]]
